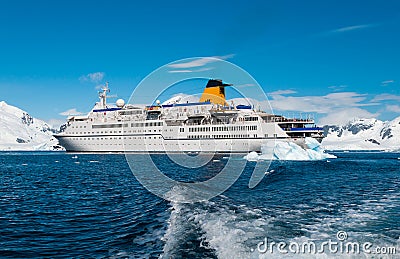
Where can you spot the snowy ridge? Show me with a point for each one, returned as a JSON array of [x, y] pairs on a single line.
[[364, 134], [181, 98], [20, 131]]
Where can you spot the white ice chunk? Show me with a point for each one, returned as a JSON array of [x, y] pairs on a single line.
[[287, 150]]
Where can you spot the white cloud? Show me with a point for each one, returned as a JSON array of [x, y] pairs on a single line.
[[282, 92], [386, 97], [181, 71], [335, 108], [72, 111], [336, 88], [386, 82], [200, 61], [190, 70], [319, 104], [95, 77], [342, 116], [353, 28], [393, 108]]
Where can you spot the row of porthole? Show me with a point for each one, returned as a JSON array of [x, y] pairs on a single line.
[[99, 138], [166, 144], [222, 128], [102, 132]]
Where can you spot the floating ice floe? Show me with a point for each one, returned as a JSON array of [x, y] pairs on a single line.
[[287, 150]]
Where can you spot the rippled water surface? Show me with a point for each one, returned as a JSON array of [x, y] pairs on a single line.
[[91, 206]]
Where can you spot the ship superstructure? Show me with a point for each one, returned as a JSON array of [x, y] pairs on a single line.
[[210, 125]]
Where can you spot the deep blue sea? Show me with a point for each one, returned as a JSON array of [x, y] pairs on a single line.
[[56, 205]]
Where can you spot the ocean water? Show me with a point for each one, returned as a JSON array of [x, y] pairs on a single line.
[[91, 206]]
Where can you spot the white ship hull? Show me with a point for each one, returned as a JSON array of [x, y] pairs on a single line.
[[125, 144]]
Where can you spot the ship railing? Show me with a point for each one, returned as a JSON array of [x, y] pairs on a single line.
[[301, 117], [306, 129], [209, 124]]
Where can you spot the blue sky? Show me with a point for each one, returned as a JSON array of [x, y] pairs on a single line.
[[337, 59]]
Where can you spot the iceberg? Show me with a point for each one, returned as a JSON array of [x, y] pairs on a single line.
[[287, 150]]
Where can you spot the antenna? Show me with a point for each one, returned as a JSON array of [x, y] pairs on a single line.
[[103, 95]]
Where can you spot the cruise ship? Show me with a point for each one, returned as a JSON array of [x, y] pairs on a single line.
[[209, 125]]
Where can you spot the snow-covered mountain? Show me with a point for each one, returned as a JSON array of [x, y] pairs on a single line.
[[364, 134], [181, 98], [20, 131]]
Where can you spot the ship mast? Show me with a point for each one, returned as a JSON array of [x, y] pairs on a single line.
[[103, 96]]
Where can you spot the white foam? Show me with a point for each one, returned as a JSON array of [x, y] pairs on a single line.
[[229, 230], [234, 231]]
